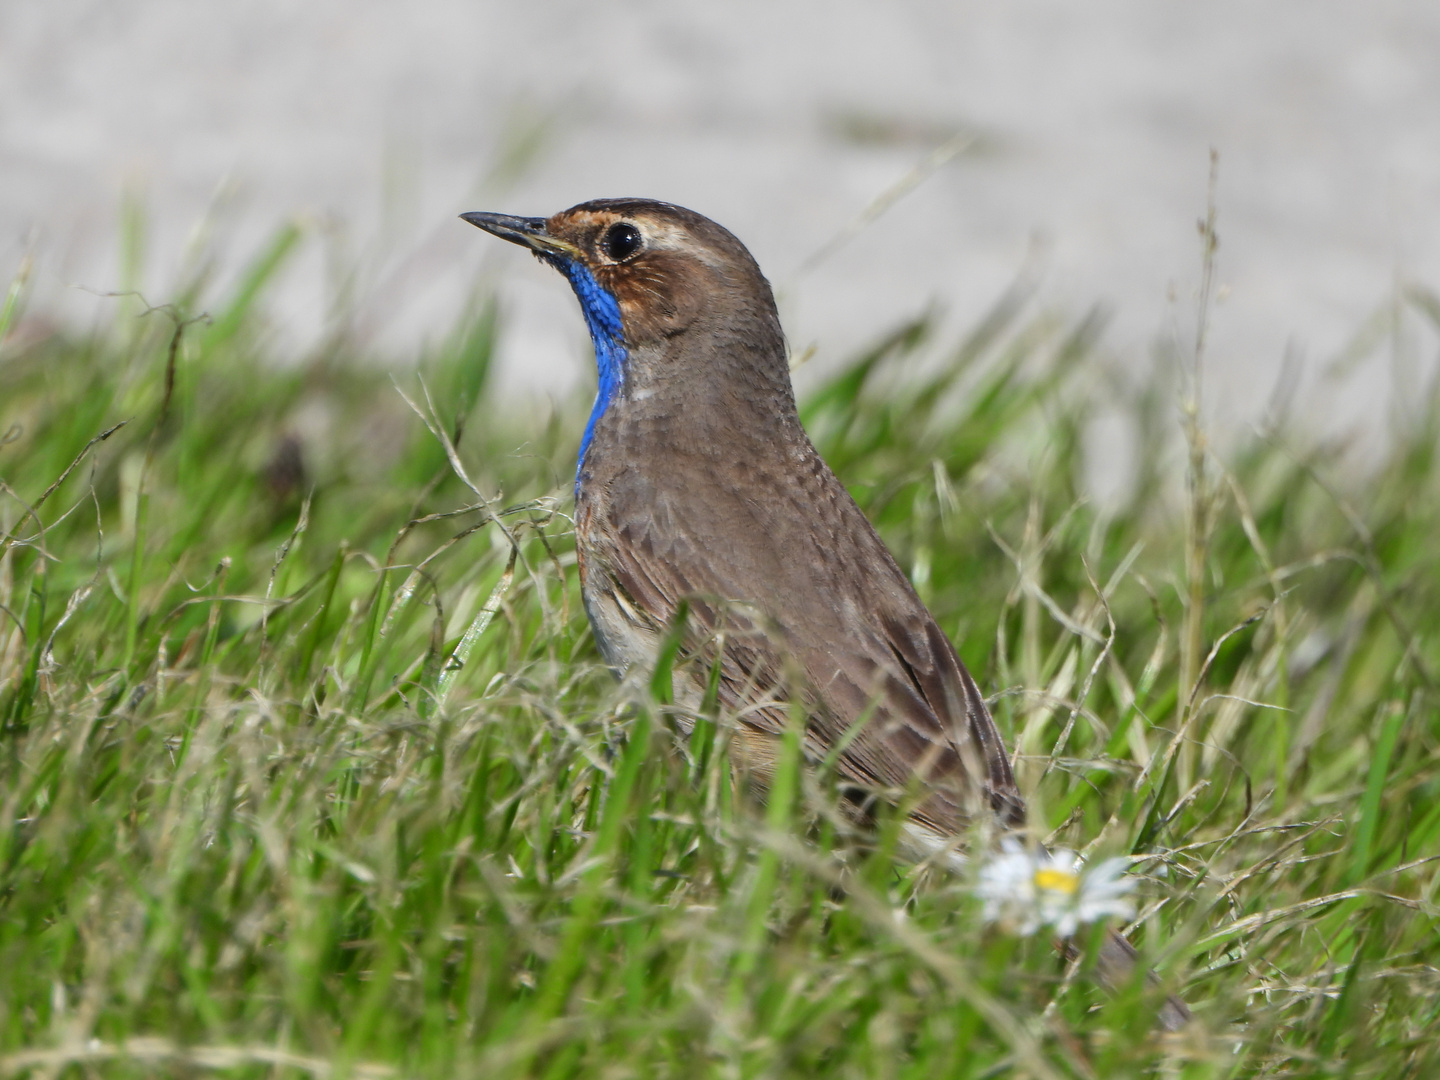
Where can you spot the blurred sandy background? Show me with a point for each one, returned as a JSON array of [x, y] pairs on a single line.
[[376, 123]]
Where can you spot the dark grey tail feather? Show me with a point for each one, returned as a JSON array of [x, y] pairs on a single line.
[[1116, 964]]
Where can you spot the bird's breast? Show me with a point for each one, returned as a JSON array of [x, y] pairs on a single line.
[[624, 636], [622, 633]]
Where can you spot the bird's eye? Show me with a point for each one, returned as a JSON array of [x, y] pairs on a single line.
[[621, 241]]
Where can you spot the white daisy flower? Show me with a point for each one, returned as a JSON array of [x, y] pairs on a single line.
[[1030, 888]]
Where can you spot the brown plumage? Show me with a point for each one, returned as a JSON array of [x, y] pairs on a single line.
[[697, 485], [700, 486]]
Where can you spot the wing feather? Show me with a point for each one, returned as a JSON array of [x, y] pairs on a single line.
[[819, 596]]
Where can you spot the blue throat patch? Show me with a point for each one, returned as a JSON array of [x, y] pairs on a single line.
[[602, 317]]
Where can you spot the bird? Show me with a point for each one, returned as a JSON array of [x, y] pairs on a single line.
[[700, 497]]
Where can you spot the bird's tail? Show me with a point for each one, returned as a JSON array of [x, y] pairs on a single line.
[[1116, 965]]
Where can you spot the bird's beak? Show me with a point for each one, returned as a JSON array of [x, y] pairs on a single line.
[[529, 231]]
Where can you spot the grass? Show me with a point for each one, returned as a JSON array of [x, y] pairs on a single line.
[[308, 765]]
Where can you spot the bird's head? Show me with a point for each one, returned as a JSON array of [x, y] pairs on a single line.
[[679, 312], [644, 271]]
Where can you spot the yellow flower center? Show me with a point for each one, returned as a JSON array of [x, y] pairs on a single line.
[[1061, 881]]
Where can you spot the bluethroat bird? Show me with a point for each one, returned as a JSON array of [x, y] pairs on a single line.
[[699, 495]]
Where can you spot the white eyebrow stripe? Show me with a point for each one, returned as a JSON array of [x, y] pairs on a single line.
[[668, 237]]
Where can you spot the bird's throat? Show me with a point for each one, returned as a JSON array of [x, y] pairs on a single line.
[[602, 317]]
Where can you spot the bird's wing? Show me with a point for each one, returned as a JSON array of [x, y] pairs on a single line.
[[812, 589]]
